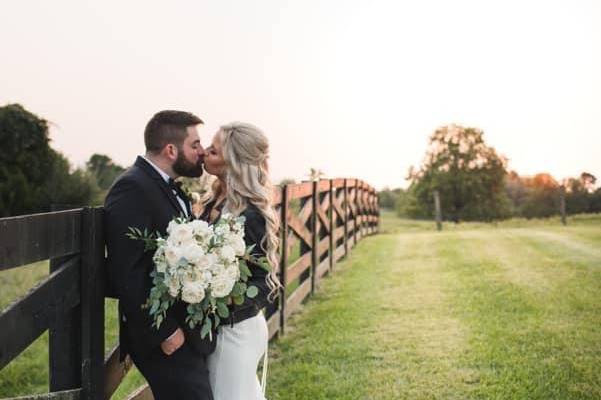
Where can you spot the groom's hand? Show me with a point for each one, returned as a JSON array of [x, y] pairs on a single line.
[[173, 342]]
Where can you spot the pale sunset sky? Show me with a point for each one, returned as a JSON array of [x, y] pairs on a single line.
[[354, 88]]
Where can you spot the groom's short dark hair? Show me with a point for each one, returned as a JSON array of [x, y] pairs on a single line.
[[166, 127]]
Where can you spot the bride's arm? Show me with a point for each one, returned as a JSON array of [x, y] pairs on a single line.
[[254, 231]]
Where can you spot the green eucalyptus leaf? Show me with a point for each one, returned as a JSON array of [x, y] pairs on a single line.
[[252, 292]]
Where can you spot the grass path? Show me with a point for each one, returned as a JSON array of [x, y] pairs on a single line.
[[497, 313]]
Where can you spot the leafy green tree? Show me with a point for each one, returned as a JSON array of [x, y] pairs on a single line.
[[542, 198], [388, 198], [66, 189], [104, 170], [25, 159], [595, 205], [579, 193], [33, 176], [469, 175]]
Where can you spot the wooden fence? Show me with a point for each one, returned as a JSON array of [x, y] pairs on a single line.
[[321, 222]]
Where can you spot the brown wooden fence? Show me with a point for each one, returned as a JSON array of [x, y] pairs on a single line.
[[321, 223]]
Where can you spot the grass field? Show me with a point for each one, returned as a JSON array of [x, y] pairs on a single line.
[[478, 311], [473, 312]]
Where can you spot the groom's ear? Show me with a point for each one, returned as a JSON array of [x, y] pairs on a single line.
[[170, 151]]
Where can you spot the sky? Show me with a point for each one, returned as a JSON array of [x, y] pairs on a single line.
[[353, 88]]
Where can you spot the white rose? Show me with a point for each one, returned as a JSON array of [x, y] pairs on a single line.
[[181, 233], [218, 268], [171, 226], [187, 276], [206, 278], [193, 293], [206, 262], [172, 254], [201, 228], [202, 277], [227, 253], [233, 272], [237, 243], [192, 252], [221, 286]]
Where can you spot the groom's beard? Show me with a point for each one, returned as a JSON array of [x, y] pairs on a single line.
[[183, 167]]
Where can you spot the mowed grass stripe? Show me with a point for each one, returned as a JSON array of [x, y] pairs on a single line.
[[326, 353], [418, 340], [520, 344], [381, 329]]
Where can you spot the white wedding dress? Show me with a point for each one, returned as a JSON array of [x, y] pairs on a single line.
[[233, 364]]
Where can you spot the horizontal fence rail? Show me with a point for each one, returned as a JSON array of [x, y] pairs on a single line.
[[69, 303], [321, 221]]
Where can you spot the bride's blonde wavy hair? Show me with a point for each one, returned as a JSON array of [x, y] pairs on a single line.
[[245, 151]]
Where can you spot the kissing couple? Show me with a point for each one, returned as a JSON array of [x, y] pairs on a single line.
[[176, 361]]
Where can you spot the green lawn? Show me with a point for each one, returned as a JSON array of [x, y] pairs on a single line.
[[477, 311], [28, 374]]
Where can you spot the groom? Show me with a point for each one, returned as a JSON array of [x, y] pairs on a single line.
[[172, 358]]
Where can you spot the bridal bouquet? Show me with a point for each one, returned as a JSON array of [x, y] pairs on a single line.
[[202, 265]]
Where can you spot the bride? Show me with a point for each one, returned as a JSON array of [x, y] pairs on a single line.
[[238, 158]]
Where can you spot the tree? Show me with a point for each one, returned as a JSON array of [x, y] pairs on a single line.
[[542, 197], [595, 205], [468, 174], [579, 193], [588, 181], [104, 170], [25, 158], [388, 198], [33, 176]]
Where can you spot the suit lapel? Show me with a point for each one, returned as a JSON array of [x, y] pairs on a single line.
[[149, 169]]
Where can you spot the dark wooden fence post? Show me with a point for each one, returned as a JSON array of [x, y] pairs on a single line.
[[562, 204], [356, 215], [370, 210], [359, 217], [346, 217], [437, 210], [377, 202], [284, 260], [374, 208], [92, 305], [314, 234], [64, 336], [64, 344], [332, 226]]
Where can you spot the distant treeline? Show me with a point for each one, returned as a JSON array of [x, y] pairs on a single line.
[[36, 178], [475, 185], [472, 179]]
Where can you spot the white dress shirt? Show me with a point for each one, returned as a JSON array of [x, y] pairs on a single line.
[[166, 178]]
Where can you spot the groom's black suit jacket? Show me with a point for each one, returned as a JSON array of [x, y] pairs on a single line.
[[141, 198]]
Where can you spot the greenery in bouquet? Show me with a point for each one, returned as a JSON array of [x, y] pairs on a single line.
[[205, 266]]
